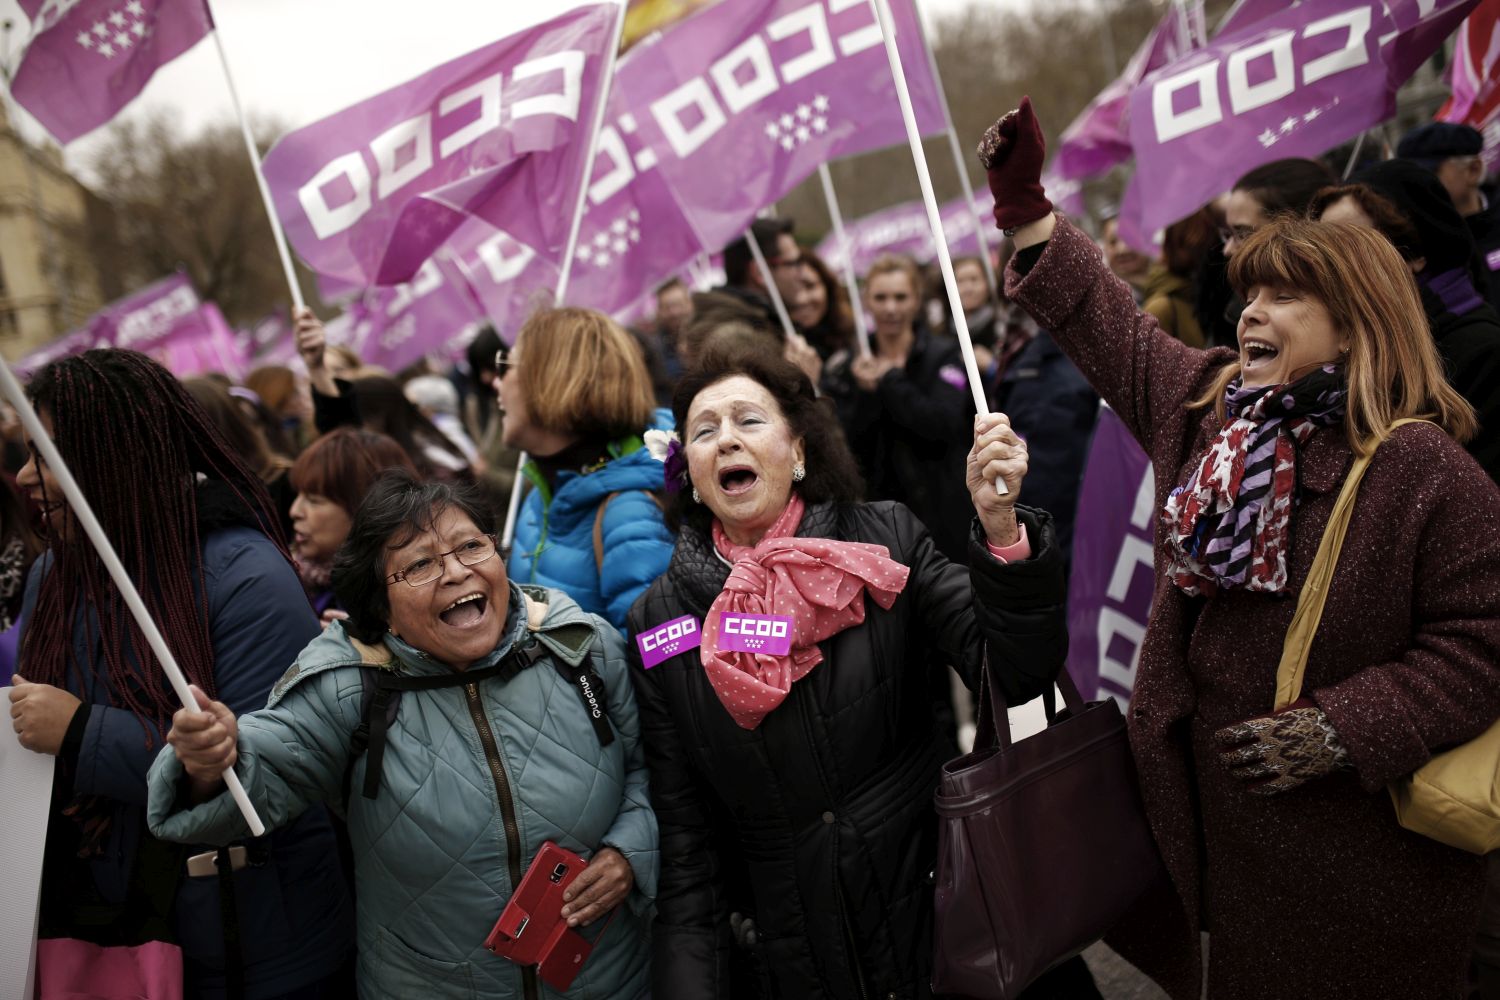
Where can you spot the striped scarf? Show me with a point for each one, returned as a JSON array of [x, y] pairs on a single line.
[[1227, 526]]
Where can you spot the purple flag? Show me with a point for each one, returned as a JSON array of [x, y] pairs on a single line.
[[146, 319], [395, 326], [369, 193], [903, 229], [88, 59], [65, 346], [1099, 138], [507, 279], [206, 344], [739, 103], [1292, 84], [1109, 592]]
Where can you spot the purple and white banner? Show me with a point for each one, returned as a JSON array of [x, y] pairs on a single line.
[[741, 102], [903, 229], [1291, 84], [1099, 138], [391, 327], [368, 194], [87, 59], [1109, 592]]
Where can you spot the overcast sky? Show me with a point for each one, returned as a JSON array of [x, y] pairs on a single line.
[[299, 60]]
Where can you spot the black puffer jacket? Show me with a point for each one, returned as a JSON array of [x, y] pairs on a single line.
[[824, 813]]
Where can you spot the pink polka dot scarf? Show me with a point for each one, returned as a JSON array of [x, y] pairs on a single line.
[[819, 582]]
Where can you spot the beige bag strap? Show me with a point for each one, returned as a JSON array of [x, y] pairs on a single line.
[[1299, 636], [599, 532], [599, 526]]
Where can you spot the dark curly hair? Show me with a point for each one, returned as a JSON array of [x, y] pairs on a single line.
[[398, 506], [832, 473]]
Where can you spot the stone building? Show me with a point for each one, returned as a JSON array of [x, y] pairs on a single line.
[[49, 281]]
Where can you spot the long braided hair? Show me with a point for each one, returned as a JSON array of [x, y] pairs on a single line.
[[141, 448]]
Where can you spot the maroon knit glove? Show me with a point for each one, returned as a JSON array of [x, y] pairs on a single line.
[[1276, 753], [1012, 150]]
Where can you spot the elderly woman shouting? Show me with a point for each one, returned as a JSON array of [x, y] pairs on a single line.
[[492, 751], [794, 787], [1274, 825]]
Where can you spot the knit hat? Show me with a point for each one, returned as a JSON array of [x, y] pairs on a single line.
[[1434, 142], [1444, 238]]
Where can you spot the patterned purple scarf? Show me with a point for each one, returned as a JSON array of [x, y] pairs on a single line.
[[1227, 526]]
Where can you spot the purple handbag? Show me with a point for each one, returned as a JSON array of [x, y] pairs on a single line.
[[1042, 845]]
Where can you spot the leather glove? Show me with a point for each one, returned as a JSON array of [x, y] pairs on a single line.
[[1276, 753], [1012, 150]]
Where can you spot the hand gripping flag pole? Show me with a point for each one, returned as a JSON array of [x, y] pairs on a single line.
[[513, 508], [260, 177], [934, 218], [846, 249], [11, 390]]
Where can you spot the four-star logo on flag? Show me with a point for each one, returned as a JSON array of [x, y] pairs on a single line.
[[87, 59], [796, 127], [614, 240], [116, 31]]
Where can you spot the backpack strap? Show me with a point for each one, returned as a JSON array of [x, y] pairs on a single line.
[[599, 525]]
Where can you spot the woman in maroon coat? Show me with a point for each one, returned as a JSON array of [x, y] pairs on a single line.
[[1276, 829]]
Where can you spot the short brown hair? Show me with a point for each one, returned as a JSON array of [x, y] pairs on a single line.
[[889, 263], [1393, 367], [344, 464], [583, 375]]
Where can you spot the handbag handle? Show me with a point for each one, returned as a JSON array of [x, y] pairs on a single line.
[[992, 705], [1299, 635]]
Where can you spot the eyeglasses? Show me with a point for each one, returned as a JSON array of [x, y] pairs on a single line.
[[423, 571], [503, 360]]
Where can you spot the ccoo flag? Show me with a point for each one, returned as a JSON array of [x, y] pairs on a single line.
[[87, 59], [741, 102], [1291, 84], [368, 194]]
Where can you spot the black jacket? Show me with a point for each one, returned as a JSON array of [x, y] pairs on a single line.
[[1470, 348], [1053, 407], [823, 814], [912, 435]]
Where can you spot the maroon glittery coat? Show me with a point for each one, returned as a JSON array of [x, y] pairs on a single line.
[[1316, 892]]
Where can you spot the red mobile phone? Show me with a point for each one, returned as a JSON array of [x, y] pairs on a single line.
[[533, 916], [562, 956]]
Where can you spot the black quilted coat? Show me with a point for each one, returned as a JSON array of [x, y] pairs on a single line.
[[819, 823]]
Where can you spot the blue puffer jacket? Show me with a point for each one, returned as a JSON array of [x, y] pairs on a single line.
[[433, 852], [295, 910], [554, 537]]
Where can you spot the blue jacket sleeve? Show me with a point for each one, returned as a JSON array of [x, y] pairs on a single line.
[[259, 620], [634, 832], [637, 548]]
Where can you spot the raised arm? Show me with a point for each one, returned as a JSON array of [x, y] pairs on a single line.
[[1059, 277]]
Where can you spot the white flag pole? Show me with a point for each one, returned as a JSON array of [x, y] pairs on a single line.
[[934, 218], [847, 250], [982, 225], [771, 289], [513, 508], [84, 514], [587, 170], [260, 179]]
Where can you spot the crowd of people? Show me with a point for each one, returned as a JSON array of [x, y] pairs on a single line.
[[416, 711]]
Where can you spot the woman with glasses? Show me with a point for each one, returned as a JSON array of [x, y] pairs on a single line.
[[576, 397], [516, 726]]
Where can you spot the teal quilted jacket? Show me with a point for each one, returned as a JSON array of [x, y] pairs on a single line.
[[433, 852]]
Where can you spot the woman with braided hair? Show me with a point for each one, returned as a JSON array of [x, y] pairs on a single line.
[[195, 529]]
